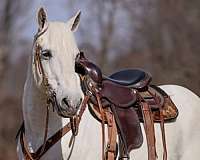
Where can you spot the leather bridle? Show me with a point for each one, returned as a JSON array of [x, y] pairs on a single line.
[[50, 94], [51, 101], [48, 143]]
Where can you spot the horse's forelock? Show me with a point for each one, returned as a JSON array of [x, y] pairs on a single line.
[[60, 37]]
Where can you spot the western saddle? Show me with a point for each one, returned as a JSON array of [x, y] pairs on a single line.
[[121, 102]]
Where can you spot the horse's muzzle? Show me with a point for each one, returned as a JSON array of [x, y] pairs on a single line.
[[66, 109]]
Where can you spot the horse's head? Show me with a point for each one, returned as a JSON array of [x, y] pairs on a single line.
[[54, 53]]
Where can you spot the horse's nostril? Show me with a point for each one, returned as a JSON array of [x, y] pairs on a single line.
[[80, 101], [65, 101]]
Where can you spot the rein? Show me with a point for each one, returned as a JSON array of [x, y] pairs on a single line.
[[73, 125], [53, 139]]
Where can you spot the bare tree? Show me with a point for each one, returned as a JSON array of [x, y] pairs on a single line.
[[12, 17], [100, 29], [163, 35], [169, 33]]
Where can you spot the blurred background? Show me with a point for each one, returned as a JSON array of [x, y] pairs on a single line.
[[159, 36]]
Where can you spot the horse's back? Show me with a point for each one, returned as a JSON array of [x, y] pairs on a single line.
[[183, 135]]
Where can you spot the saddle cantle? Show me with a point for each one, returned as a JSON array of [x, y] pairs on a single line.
[[124, 93]]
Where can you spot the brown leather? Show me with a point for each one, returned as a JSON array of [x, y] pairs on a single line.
[[102, 113], [109, 120], [111, 149], [130, 105], [149, 129], [52, 140], [128, 124], [169, 110], [49, 143], [162, 127], [119, 95], [89, 68], [153, 97], [148, 122], [130, 127]]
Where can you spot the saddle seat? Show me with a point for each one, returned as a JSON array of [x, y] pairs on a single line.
[[132, 78]]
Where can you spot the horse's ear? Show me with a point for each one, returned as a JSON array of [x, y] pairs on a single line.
[[74, 21], [42, 18]]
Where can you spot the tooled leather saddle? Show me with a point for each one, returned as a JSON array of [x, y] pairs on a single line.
[[132, 99]]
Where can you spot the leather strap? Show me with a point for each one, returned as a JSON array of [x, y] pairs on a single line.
[[161, 117], [102, 124], [112, 137], [149, 129], [123, 149], [111, 150], [50, 141], [162, 127]]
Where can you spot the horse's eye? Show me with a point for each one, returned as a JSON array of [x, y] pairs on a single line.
[[46, 53]]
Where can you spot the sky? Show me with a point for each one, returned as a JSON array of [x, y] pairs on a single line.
[[56, 10]]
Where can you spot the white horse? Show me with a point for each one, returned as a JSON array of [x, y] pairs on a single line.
[[58, 54]]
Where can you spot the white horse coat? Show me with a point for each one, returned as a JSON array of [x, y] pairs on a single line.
[[183, 136]]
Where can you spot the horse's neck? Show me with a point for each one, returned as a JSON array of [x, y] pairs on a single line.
[[34, 113]]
